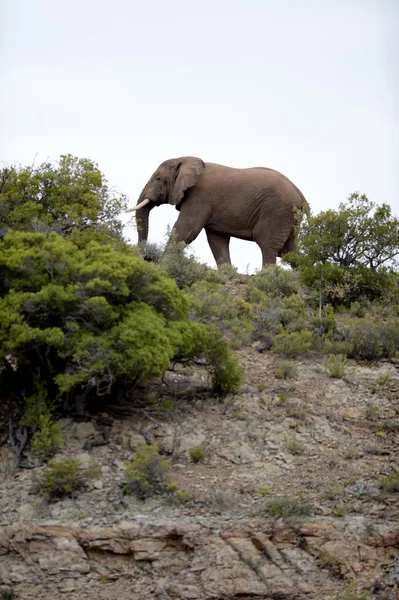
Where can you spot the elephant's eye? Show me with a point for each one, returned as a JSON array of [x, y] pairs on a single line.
[[158, 178]]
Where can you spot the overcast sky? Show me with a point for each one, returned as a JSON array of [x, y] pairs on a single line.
[[307, 87]]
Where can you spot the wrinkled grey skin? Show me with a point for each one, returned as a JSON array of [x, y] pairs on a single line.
[[255, 204]]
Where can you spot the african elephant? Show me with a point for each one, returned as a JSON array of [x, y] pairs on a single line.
[[255, 204]]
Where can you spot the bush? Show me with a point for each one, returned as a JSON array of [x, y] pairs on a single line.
[[274, 281], [197, 454], [264, 490], [351, 253], [48, 437], [288, 507], [285, 370], [336, 365], [61, 479], [295, 447], [146, 475], [390, 483], [326, 324], [212, 304], [93, 319], [373, 340], [293, 344]]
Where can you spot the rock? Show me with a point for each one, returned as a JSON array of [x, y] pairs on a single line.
[[82, 431], [135, 441], [238, 453]]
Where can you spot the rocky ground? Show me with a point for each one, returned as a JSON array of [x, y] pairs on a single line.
[[326, 443]]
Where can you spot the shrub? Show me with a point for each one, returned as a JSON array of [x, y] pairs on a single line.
[[146, 475], [61, 479], [336, 365], [93, 319], [48, 438], [184, 268], [295, 447], [285, 370], [197, 454], [274, 281], [372, 412], [390, 483], [7, 594], [212, 304], [264, 490], [350, 253], [288, 507], [326, 323], [373, 340], [293, 344]]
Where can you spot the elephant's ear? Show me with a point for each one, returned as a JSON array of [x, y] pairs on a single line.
[[188, 171]]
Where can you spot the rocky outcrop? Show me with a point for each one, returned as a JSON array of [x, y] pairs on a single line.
[[187, 560]]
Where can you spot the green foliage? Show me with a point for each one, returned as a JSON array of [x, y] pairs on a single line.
[[336, 365], [146, 475], [350, 253], [7, 594], [93, 316], [295, 447], [285, 370], [288, 507], [373, 339], [213, 304], [293, 344], [372, 412], [66, 197], [274, 281], [198, 454], [48, 438], [61, 479], [264, 490], [326, 322], [390, 483]]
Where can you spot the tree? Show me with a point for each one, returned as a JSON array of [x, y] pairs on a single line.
[[92, 321], [351, 252], [69, 197]]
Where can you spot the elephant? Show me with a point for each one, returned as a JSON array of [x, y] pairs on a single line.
[[255, 204]]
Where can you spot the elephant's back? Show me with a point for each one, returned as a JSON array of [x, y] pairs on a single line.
[[264, 179]]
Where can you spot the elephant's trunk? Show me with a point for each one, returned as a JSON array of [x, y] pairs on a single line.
[[142, 216]]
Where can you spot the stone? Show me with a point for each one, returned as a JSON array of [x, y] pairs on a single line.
[[82, 431], [135, 441]]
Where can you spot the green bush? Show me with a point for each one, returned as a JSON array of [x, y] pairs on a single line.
[[94, 318], [7, 594], [197, 454], [373, 340], [285, 370], [47, 439], [336, 365], [288, 507], [326, 323], [61, 479], [213, 304], [183, 267], [274, 281], [264, 490], [293, 344], [146, 474], [295, 447], [390, 483], [349, 254]]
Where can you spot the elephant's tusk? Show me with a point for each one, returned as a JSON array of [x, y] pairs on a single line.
[[144, 203]]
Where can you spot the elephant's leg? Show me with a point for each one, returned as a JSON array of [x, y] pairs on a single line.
[[189, 224], [269, 256], [219, 244]]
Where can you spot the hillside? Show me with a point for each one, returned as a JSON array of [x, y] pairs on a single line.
[[325, 443]]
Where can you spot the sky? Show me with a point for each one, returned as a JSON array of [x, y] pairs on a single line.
[[306, 87]]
